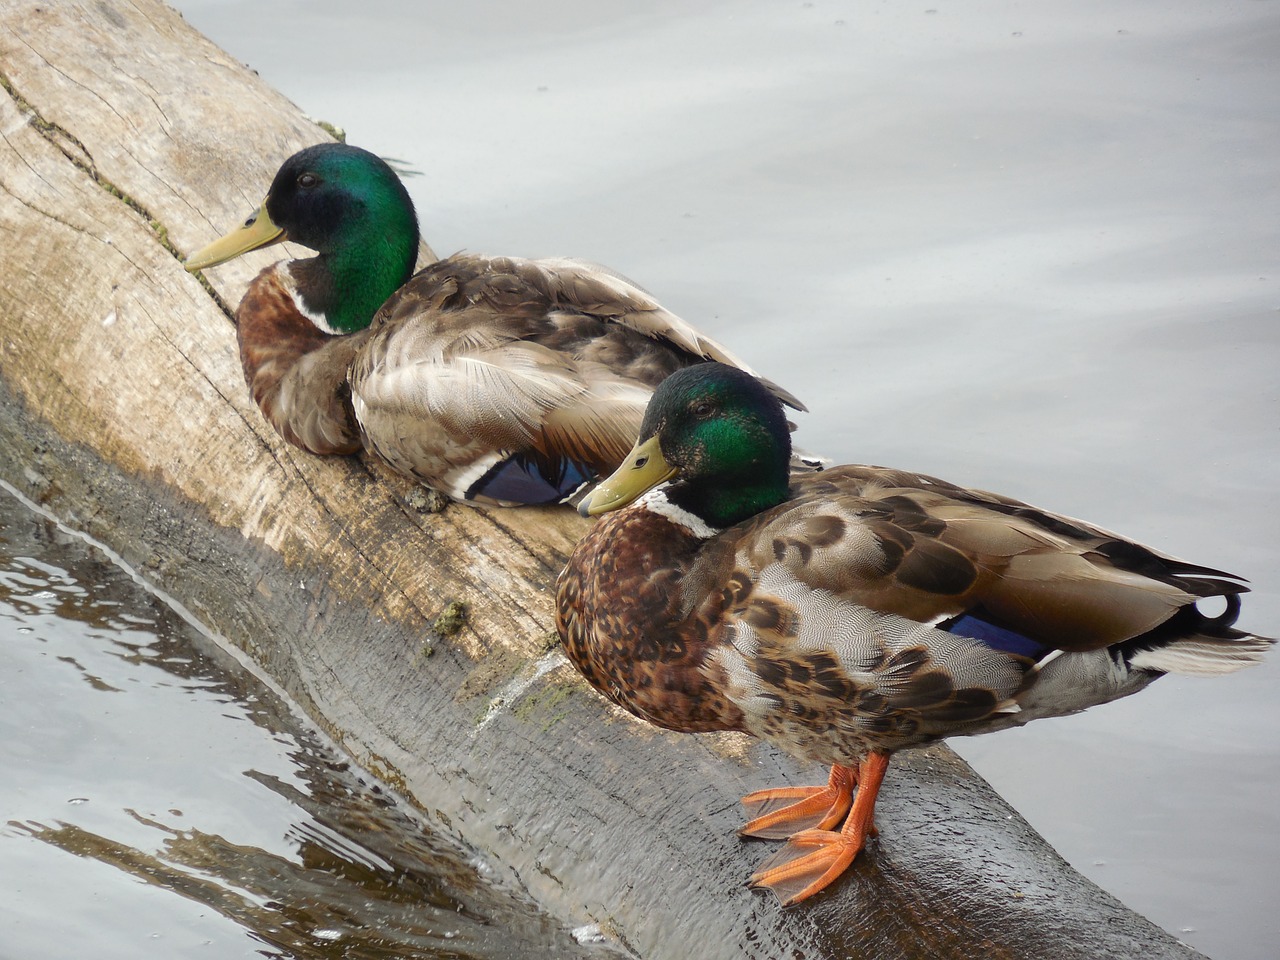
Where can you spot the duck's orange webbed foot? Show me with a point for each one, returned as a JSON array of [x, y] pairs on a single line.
[[812, 859], [778, 813]]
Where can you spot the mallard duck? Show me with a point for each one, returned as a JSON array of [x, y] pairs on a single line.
[[493, 379], [849, 614]]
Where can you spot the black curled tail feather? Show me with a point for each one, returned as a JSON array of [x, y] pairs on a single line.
[[1227, 618]]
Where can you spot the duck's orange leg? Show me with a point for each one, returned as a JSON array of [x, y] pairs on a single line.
[[812, 859], [778, 813]]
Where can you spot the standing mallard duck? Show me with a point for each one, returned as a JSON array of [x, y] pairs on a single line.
[[849, 614], [492, 379]]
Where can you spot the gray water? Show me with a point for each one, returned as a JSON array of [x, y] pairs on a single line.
[[1025, 247], [160, 800]]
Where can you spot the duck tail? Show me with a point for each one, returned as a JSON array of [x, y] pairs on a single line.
[[1204, 656], [1195, 645]]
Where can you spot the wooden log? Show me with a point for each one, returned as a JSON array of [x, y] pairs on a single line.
[[130, 140]]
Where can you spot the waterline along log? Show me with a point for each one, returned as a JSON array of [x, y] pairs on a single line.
[[422, 641]]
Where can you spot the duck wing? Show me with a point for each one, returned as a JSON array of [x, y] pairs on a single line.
[[927, 549], [526, 377]]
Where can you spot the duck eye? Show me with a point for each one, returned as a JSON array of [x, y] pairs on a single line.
[[307, 180], [702, 409]]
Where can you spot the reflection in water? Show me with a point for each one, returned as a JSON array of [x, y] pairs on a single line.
[[138, 746]]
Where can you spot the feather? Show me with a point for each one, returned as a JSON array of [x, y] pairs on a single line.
[[550, 359]]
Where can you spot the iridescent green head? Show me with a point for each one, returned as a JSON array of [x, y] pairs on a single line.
[[351, 208], [720, 438]]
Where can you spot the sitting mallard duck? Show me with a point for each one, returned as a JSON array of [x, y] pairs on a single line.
[[852, 613], [492, 379]]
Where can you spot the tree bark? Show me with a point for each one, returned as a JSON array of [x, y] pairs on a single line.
[[130, 140]]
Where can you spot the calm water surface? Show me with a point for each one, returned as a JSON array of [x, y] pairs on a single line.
[[1027, 248], [161, 801]]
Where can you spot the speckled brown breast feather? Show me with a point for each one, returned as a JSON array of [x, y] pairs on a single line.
[[619, 610], [297, 374]]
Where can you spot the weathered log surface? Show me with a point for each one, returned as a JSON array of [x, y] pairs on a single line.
[[128, 139]]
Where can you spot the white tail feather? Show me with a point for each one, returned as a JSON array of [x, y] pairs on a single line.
[[1203, 656]]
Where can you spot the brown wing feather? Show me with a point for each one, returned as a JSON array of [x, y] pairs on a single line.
[[554, 357], [924, 549]]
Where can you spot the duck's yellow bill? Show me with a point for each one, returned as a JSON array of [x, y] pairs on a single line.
[[258, 231], [641, 471]]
